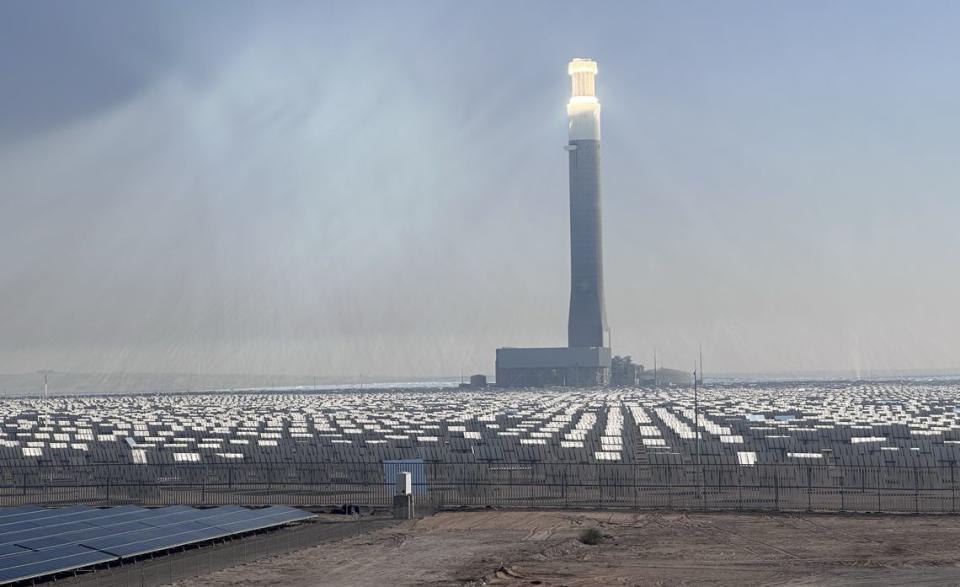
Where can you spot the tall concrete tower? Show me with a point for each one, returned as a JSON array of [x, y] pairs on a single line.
[[587, 325]]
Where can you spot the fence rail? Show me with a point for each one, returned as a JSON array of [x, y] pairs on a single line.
[[820, 488]]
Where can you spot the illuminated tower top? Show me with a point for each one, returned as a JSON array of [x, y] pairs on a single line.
[[583, 109], [582, 73]]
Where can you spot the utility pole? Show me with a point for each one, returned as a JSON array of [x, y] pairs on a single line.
[[701, 363], [46, 384], [655, 367], [696, 424]]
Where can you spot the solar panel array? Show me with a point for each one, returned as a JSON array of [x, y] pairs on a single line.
[[909, 423], [36, 541]]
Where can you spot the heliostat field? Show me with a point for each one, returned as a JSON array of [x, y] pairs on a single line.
[[870, 424]]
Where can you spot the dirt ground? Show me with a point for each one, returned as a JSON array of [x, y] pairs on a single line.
[[511, 548]]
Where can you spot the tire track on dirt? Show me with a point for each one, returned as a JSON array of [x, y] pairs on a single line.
[[706, 524]]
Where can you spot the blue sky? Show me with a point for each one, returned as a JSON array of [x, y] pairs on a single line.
[[379, 187]]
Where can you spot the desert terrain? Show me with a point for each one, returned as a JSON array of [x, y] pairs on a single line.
[[511, 548]]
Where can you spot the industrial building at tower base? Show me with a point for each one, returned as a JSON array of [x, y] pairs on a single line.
[[559, 366]]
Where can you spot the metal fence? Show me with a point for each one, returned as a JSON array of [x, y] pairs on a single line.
[[821, 488]]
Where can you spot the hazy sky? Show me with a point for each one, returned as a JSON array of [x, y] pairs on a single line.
[[379, 188]]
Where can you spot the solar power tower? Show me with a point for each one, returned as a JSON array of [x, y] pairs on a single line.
[[586, 358], [587, 323]]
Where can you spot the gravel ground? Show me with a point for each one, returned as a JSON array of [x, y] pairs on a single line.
[[542, 548]]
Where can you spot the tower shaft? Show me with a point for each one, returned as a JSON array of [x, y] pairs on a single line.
[[587, 324]]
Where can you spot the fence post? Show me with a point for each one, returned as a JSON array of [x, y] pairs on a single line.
[[721, 494], [739, 489], [636, 489], [953, 487], [916, 489], [669, 486], [843, 483], [480, 479], [702, 486], [879, 491], [809, 486], [600, 484], [776, 486]]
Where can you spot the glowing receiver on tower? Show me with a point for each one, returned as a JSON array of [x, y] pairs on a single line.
[[583, 109]]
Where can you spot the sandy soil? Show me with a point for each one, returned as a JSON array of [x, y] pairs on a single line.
[[541, 548]]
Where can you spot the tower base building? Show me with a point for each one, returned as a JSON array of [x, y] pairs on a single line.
[[553, 367]]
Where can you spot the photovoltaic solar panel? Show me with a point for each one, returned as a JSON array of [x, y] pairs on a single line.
[[160, 518], [42, 518], [38, 541], [36, 564], [9, 549], [11, 513], [96, 515], [256, 519], [80, 536], [150, 539], [117, 517], [17, 536]]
